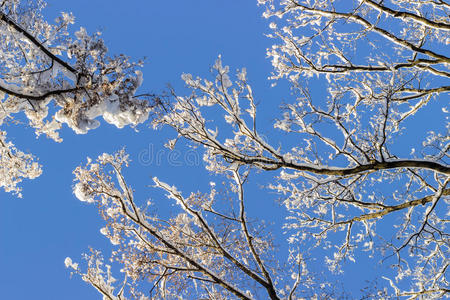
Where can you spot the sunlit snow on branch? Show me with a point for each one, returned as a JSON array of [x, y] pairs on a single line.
[[351, 186], [56, 79]]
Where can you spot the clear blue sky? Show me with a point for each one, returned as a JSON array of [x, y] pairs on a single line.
[[38, 231], [48, 224]]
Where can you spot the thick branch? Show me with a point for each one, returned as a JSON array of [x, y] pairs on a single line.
[[381, 31], [417, 93], [390, 209], [38, 44], [408, 15], [38, 97], [269, 164]]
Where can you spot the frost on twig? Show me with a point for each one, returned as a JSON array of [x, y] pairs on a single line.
[[204, 248], [348, 176], [55, 79], [366, 178]]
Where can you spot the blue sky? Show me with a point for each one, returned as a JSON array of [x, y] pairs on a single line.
[[38, 231], [48, 224]]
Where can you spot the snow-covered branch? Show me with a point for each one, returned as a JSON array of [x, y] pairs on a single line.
[[360, 171], [42, 65]]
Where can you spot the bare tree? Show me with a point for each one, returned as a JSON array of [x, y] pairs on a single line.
[[351, 174], [40, 65]]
